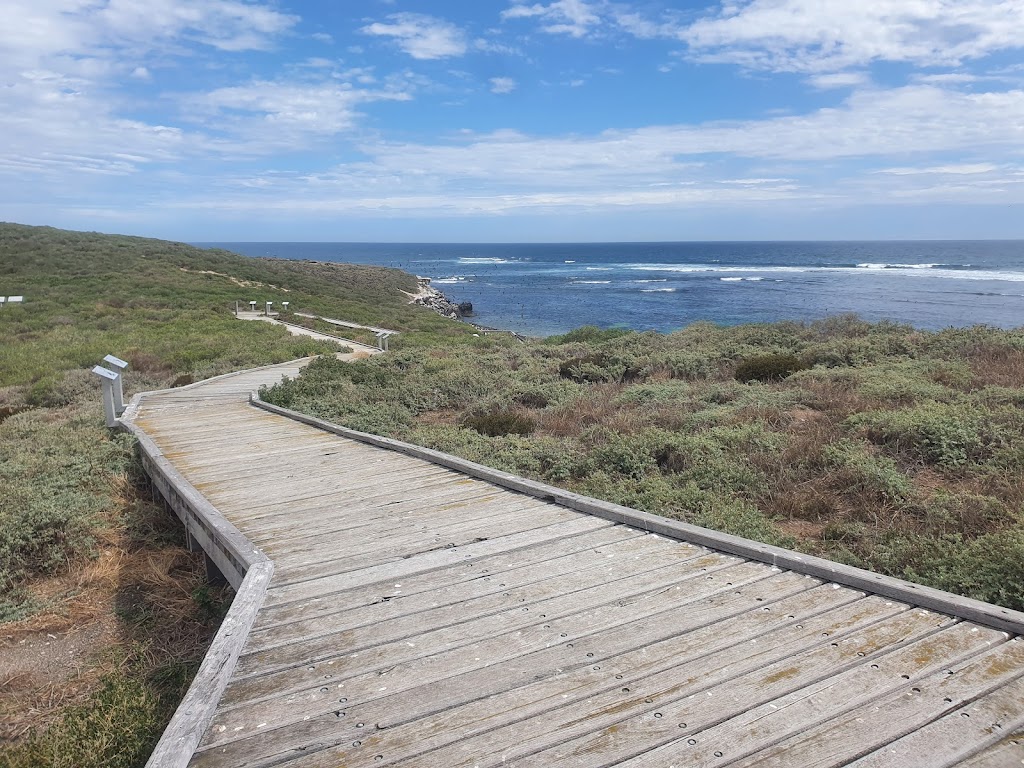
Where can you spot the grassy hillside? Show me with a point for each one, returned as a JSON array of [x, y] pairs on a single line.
[[878, 445], [87, 560]]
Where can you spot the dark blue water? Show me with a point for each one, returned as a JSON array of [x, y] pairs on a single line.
[[543, 289]]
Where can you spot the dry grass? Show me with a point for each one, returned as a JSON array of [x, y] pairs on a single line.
[[599, 408], [997, 366], [131, 610]]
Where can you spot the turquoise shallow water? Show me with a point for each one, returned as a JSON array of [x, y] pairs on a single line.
[[550, 288]]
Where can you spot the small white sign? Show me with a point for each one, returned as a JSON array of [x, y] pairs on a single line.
[[117, 362], [15, 299], [102, 372]]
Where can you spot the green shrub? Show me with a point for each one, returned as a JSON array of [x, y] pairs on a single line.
[[589, 334], [859, 472], [500, 422], [768, 368], [587, 369], [938, 433]]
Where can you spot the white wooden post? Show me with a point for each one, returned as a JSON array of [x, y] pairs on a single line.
[[236, 308], [252, 306], [118, 366], [107, 377], [267, 311], [285, 305]]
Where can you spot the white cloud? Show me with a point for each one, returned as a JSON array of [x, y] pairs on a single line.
[[838, 80], [827, 35], [567, 17], [421, 36], [141, 73], [269, 115], [966, 169], [225, 24], [322, 37], [502, 85]]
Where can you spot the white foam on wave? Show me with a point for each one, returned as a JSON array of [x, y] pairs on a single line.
[[730, 279], [570, 261], [657, 290], [591, 282], [656, 280], [691, 268], [937, 271], [598, 269], [450, 280], [481, 260]]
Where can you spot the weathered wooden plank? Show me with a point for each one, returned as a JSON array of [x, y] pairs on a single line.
[[420, 721], [965, 727], [265, 494], [395, 668], [623, 722], [909, 707], [524, 598], [269, 464], [270, 519], [1007, 752], [604, 605], [445, 515], [287, 528], [320, 561], [429, 561], [756, 728], [406, 599], [453, 579]]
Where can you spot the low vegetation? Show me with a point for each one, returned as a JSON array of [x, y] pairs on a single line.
[[88, 564], [873, 444]]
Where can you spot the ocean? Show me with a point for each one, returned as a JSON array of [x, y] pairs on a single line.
[[543, 289]]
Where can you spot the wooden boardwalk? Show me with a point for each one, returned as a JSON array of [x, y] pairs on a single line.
[[418, 616]]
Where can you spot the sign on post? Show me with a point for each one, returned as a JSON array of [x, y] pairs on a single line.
[[118, 366], [107, 378]]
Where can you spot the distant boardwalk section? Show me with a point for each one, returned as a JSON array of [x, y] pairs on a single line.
[[397, 606]]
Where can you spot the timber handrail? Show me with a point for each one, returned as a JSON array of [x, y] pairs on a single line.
[[245, 567]]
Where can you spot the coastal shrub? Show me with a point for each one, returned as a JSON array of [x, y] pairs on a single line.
[[589, 334], [947, 435], [500, 422], [906, 382], [655, 393], [56, 474], [989, 567], [768, 368], [689, 366], [857, 472], [588, 369]]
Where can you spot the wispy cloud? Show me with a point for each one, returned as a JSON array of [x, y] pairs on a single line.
[[502, 85], [838, 80], [421, 36], [967, 169], [563, 17], [278, 114], [828, 35]]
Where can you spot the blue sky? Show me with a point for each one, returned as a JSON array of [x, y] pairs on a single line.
[[573, 120]]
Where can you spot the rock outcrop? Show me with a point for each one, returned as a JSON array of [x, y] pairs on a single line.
[[431, 298]]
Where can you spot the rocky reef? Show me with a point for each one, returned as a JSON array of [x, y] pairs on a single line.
[[431, 298]]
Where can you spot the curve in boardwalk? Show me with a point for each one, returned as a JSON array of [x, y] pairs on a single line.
[[398, 606]]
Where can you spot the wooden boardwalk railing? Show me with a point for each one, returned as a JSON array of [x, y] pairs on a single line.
[[397, 606]]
